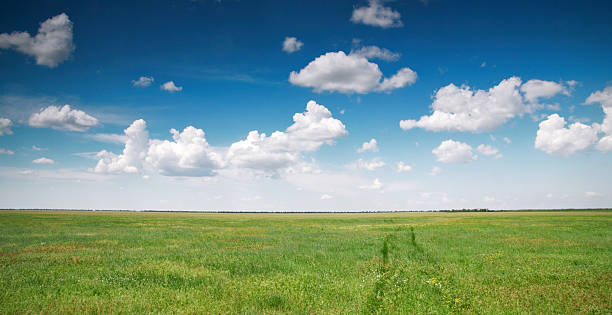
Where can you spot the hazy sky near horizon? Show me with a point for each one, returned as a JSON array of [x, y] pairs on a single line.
[[305, 105]]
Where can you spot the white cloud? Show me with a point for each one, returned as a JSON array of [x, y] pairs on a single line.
[[291, 45], [553, 138], [402, 167], [43, 160], [592, 194], [372, 145], [143, 81], [376, 15], [376, 185], [171, 87], [51, 46], [308, 133], [604, 97], [62, 118], [5, 126], [326, 197], [372, 165], [463, 109], [338, 72], [534, 89], [109, 137], [371, 52], [451, 151], [134, 152], [507, 140], [403, 77], [35, 148], [7, 152], [435, 171], [487, 149], [188, 155]]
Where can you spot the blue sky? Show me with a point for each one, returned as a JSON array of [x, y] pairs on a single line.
[[485, 104]]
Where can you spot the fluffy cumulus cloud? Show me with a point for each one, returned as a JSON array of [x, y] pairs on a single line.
[[6, 151], [464, 109], [143, 81], [134, 152], [5, 126], [171, 87], [43, 160], [535, 89], [339, 72], [308, 133], [371, 145], [62, 118], [554, 138], [291, 45], [451, 151], [375, 14], [51, 46], [189, 153], [604, 97], [375, 52]]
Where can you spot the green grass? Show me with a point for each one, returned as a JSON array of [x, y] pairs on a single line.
[[117, 262]]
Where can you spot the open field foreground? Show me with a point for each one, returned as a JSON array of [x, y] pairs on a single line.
[[119, 262]]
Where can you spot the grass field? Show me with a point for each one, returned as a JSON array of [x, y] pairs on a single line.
[[120, 262]]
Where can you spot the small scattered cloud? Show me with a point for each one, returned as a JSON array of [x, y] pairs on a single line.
[[375, 14], [6, 151], [371, 145], [592, 194], [5, 126], [109, 138], [435, 171], [402, 167], [171, 87], [43, 160], [375, 52], [50, 47], [326, 197], [489, 151], [376, 185], [371, 165], [143, 81], [291, 45], [507, 140], [64, 118], [35, 148], [451, 151]]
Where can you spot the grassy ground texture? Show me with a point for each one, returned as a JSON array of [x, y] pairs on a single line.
[[119, 262]]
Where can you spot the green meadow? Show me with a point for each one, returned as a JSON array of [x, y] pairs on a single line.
[[387, 263]]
